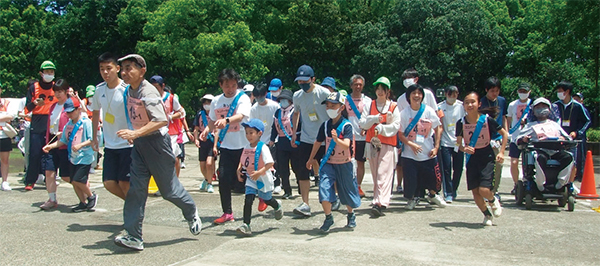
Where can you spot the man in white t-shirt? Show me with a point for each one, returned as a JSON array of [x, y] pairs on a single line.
[[450, 158], [516, 118], [359, 101], [231, 136], [108, 101], [308, 107], [410, 77]]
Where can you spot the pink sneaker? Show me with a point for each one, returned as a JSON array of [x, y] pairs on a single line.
[[224, 218], [49, 205]]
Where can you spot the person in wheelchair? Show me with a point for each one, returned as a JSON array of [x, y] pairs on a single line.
[[544, 128]]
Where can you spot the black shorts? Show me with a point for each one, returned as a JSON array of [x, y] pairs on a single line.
[[80, 172], [57, 160], [513, 151], [304, 150], [116, 165], [359, 151], [480, 170], [5, 144], [205, 150]]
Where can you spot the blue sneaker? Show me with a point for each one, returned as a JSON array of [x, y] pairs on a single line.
[[203, 185], [351, 221], [327, 224], [448, 199]]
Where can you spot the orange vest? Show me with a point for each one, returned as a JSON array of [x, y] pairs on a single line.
[[46, 95], [175, 124], [86, 102], [393, 140], [3, 106]]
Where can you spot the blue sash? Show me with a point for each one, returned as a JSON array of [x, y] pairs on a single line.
[[413, 123], [353, 106], [125, 95], [259, 184], [517, 125], [205, 121], [229, 113], [475, 136], [72, 136], [332, 143], [166, 96], [283, 128]]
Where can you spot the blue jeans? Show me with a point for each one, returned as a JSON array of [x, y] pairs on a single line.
[[451, 160]]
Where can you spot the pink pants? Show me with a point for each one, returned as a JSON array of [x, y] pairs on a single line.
[[382, 169]]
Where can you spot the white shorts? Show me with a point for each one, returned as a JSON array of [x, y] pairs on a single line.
[[174, 145]]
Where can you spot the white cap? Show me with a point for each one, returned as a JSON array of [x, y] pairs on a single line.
[[209, 97], [248, 88], [542, 100]]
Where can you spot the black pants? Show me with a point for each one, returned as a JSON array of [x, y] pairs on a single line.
[[273, 151], [228, 164], [248, 206], [420, 175], [284, 158], [36, 143]]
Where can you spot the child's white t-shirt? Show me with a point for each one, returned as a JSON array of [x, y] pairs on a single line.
[[247, 161]]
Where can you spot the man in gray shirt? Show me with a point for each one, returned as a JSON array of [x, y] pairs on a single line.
[[308, 107], [151, 154]]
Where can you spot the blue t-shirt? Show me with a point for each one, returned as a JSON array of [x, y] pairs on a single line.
[[85, 155]]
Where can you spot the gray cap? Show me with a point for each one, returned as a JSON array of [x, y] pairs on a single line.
[[541, 100], [135, 57]]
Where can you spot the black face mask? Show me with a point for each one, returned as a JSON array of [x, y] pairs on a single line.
[[304, 86], [541, 113]]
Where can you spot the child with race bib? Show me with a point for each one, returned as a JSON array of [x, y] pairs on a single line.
[[475, 129], [77, 135], [336, 168], [255, 162]]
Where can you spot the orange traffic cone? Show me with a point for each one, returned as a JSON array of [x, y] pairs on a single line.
[[152, 187], [588, 185]]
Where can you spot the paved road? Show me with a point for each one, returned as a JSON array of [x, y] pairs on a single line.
[[547, 235]]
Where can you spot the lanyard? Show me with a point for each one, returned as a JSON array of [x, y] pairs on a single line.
[[570, 113], [525, 112], [125, 95], [475, 136], [205, 122], [72, 136], [332, 142], [229, 113]]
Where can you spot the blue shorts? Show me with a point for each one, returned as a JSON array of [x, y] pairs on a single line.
[[513, 151], [342, 175], [262, 195]]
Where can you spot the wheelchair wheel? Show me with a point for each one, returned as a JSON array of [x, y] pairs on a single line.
[[519, 193], [528, 201], [563, 201], [571, 204]]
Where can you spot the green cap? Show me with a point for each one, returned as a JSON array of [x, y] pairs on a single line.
[[90, 90], [384, 81], [47, 65]]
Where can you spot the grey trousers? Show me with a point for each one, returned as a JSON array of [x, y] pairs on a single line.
[[152, 156]]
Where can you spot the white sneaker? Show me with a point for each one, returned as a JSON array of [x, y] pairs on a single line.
[[195, 224], [277, 190], [182, 165], [303, 209], [41, 180], [92, 171], [411, 204], [437, 200], [496, 208], [210, 189], [128, 241], [5, 186], [488, 221]]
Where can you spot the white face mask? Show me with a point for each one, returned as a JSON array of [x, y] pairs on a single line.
[[523, 96], [450, 100], [275, 93], [332, 113], [47, 78], [284, 103], [206, 107], [561, 95], [409, 82]]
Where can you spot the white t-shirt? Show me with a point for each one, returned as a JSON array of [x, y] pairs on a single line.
[[55, 118], [247, 162], [515, 110], [309, 104], [265, 113], [235, 138], [452, 113], [110, 101], [421, 134], [361, 103], [428, 99]]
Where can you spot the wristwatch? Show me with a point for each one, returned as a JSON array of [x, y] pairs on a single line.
[[227, 120]]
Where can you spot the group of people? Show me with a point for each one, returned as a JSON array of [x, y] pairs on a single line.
[[257, 133]]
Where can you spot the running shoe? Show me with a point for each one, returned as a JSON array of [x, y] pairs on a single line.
[[49, 205], [92, 201], [399, 190], [226, 217], [286, 196], [336, 205], [361, 193], [351, 220], [210, 189], [411, 204], [437, 200], [496, 208], [5, 186], [80, 207], [262, 205], [278, 211], [244, 230], [327, 224], [448, 199], [303, 209], [182, 165], [127, 241], [277, 190], [29, 187], [203, 185], [488, 220], [195, 224], [376, 211]]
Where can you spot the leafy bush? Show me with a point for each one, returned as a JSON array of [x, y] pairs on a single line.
[[593, 135]]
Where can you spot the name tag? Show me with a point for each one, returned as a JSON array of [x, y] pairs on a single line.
[[566, 123], [110, 118], [420, 139], [313, 117]]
